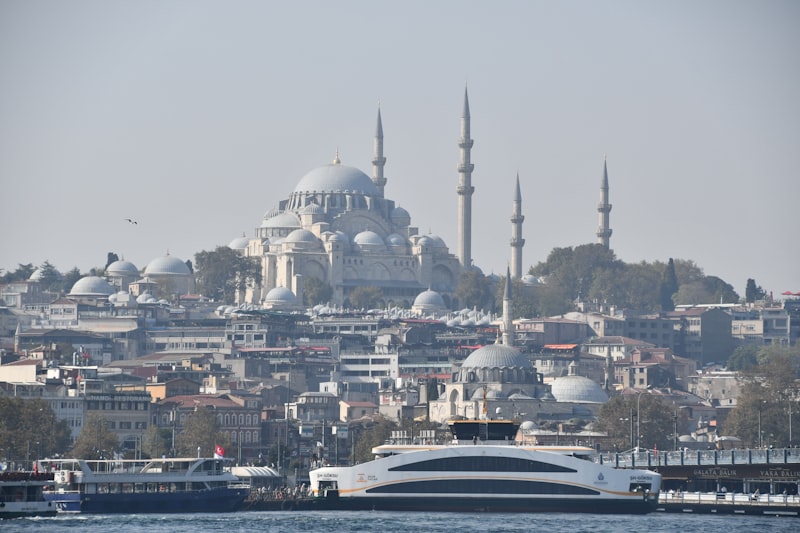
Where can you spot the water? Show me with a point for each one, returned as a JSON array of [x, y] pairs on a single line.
[[391, 522]]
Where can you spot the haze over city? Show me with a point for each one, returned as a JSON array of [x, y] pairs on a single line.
[[194, 118]]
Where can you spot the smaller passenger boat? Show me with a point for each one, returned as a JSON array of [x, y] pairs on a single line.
[[167, 485], [21, 495]]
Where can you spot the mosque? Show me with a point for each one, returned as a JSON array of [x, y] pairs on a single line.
[[338, 227]]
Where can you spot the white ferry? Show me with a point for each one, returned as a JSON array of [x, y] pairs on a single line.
[[21, 495], [168, 485], [484, 470]]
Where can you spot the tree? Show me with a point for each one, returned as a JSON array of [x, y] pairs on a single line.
[[316, 291], [743, 358], [369, 435], [365, 297], [201, 430], [474, 290], [669, 286], [30, 430], [70, 278], [638, 420], [223, 273], [22, 273], [96, 440], [111, 257], [761, 413], [49, 277], [752, 292], [156, 441]]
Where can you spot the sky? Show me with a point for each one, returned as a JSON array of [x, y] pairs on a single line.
[[194, 118]]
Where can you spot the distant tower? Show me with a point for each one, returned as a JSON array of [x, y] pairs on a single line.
[[379, 161], [604, 208], [517, 242], [508, 322], [465, 189]]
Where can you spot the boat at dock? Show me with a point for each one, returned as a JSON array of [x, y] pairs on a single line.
[[21, 494], [484, 469], [166, 485]]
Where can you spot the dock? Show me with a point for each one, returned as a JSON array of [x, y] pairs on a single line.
[[729, 503]]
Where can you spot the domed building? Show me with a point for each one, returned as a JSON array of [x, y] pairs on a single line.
[[573, 388], [121, 274], [428, 302], [495, 380], [337, 226], [170, 273]]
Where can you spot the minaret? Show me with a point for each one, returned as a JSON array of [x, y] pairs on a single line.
[[604, 208], [465, 189], [379, 161], [517, 242], [508, 322]]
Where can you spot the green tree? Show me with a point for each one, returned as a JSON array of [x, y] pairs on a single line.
[[29, 430], [669, 286], [96, 440], [761, 414], [640, 419], [223, 273], [753, 292], [315, 291], [201, 429], [49, 277], [156, 441], [111, 257], [474, 290], [370, 435], [365, 297], [70, 278], [22, 273], [743, 358]]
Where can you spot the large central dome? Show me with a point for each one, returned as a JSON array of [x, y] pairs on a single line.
[[336, 178]]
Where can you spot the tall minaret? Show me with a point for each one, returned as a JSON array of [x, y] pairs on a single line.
[[508, 322], [604, 208], [517, 242], [465, 190], [379, 161]]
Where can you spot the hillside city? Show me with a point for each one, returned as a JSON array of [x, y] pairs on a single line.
[[312, 378]]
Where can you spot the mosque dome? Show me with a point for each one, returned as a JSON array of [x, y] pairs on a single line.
[[530, 279], [239, 243], [437, 241], [92, 286], [145, 298], [369, 241], [165, 266], [400, 217], [336, 178], [36, 275], [280, 295], [302, 236], [429, 299], [496, 356], [577, 389], [122, 267], [282, 220], [312, 209], [395, 239], [272, 213]]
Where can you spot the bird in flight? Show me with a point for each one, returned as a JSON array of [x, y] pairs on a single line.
[[131, 221]]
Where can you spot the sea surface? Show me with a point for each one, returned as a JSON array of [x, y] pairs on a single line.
[[391, 522]]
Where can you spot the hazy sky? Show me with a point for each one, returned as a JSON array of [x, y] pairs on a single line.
[[196, 117]]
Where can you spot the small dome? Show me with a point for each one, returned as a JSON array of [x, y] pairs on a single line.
[[91, 286], [239, 243], [36, 275], [577, 389], [496, 356], [145, 298], [530, 279], [282, 221], [425, 241], [301, 236], [429, 298], [437, 241], [395, 239], [400, 217], [167, 265], [336, 178], [280, 295], [122, 268], [369, 240], [528, 425]]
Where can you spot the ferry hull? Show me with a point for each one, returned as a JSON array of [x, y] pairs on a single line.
[[205, 501], [487, 504]]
